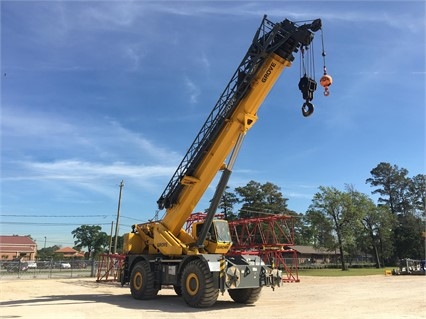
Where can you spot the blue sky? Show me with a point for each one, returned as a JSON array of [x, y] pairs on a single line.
[[95, 92]]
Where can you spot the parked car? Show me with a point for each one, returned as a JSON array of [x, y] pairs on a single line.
[[64, 265], [32, 265], [44, 264], [78, 264], [17, 266]]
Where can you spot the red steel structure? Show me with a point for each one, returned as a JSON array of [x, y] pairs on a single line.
[[270, 237], [109, 267]]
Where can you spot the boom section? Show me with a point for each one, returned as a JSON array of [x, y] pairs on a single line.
[[234, 114]]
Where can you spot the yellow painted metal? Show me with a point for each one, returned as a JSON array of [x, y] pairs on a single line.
[[242, 120], [217, 247], [138, 281], [189, 180], [133, 244], [192, 284], [167, 236], [212, 246], [166, 242]]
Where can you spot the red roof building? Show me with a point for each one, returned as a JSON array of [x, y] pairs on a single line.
[[22, 247], [69, 252]]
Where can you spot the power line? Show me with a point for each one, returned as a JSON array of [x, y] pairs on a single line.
[[52, 224], [137, 219], [54, 216], [66, 216]]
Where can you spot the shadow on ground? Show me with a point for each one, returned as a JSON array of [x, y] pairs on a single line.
[[163, 303]]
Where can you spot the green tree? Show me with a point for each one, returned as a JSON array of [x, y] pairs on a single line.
[[386, 220], [226, 205], [47, 253], [405, 198], [377, 223], [339, 210], [418, 193], [372, 221], [393, 186], [408, 237], [303, 232], [120, 241], [259, 198], [318, 230], [92, 238]]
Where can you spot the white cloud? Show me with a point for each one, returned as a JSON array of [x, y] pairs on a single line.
[[112, 14], [66, 179], [18, 122], [135, 53], [94, 138], [204, 62], [193, 90], [63, 154], [79, 171]]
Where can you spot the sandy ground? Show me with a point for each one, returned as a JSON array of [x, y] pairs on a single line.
[[313, 297]]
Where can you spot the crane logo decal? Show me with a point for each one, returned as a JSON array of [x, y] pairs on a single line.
[[268, 72]]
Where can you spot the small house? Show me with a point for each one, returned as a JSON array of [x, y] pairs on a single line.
[[68, 252], [17, 247], [308, 255]]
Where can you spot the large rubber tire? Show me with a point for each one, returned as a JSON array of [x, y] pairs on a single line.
[[245, 295], [197, 285], [142, 282]]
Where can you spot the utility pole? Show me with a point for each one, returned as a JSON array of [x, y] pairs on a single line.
[[110, 239], [118, 217]]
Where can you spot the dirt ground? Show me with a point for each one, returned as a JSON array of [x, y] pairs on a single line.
[[313, 297]]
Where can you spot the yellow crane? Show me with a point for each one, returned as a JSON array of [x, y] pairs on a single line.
[[196, 264]]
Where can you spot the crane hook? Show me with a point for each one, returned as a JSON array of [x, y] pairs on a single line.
[[307, 86], [307, 108]]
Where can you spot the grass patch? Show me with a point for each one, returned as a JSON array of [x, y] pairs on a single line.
[[341, 273]]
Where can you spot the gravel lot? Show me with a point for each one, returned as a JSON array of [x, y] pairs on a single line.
[[313, 297]]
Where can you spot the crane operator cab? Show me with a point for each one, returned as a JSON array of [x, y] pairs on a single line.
[[218, 239]]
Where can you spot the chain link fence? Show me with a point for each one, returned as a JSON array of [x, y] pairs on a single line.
[[47, 269]]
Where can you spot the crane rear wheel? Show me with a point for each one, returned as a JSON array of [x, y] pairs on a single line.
[[142, 282]]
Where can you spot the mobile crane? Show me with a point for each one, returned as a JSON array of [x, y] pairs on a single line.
[[161, 253]]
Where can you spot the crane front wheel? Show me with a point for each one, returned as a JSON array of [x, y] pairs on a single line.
[[245, 295], [197, 285], [142, 282]]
